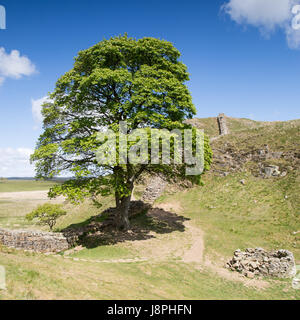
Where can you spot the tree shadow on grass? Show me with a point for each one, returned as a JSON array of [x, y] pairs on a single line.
[[96, 232]]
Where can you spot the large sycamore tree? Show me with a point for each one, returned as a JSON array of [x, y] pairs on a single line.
[[120, 79]]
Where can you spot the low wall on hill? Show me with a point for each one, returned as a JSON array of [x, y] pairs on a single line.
[[34, 240], [223, 129]]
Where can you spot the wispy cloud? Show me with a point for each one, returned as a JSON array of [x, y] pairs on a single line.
[[36, 108], [14, 65], [266, 15], [16, 162]]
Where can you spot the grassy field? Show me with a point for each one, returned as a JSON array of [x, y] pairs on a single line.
[[24, 185], [210, 221], [19, 197]]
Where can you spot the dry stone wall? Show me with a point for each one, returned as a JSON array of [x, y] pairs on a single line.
[[35, 240]]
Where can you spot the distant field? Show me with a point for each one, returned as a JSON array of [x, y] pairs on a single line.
[[24, 185], [19, 197]]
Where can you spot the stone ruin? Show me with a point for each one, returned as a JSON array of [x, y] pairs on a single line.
[[223, 129], [262, 263], [35, 240]]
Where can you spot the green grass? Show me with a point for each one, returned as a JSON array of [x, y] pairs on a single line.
[[105, 252], [24, 185], [33, 276], [81, 214], [13, 212], [236, 216]]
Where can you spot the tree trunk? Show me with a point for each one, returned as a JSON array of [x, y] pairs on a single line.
[[126, 178], [118, 200], [122, 217]]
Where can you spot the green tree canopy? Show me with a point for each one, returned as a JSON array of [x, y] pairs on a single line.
[[121, 79]]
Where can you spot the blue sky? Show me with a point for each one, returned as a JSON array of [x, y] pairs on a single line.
[[243, 59]]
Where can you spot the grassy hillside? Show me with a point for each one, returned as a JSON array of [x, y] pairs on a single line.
[[262, 213], [209, 221], [280, 136]]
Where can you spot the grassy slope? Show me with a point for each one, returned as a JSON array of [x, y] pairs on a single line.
[[32, 276], [236, 216], [257, 214], [230, 214]]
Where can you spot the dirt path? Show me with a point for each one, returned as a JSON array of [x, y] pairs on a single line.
[[27, 195], [106, 260], [196, 251], [195, 254]]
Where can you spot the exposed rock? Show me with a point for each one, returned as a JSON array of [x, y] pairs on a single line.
[[258, 262], [154, 190], [283, 174], [227, 159], [272, 171]]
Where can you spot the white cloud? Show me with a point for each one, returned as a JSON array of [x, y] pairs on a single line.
[[265, 15], [36, 108], [15, 66], [15, 162]]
